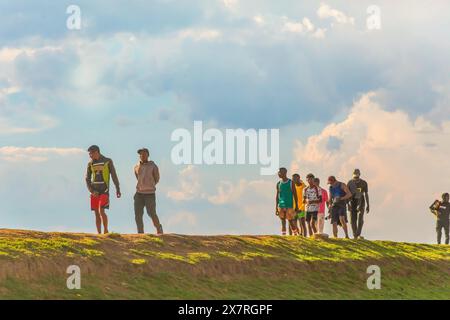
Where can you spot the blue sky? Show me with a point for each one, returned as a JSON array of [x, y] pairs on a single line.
[[342, 96]]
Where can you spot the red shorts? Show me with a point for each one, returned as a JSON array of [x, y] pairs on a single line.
[[99, 201]]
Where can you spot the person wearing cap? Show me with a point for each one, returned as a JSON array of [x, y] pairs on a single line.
[[338, 196], [98, 173], [147, 175], [357, 204]]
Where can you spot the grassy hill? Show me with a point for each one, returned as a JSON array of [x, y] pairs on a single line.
[[33, 266]]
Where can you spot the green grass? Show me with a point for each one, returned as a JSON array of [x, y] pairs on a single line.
[[117, 266]]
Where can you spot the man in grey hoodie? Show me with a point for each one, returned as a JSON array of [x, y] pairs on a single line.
[[147, 175]]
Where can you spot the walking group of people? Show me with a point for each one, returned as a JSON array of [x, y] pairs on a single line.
[[301, 207], [99, 171]]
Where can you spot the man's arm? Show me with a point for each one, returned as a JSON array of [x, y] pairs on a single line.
[[276, 200], [433, 208], [349, 201], [368, 204], [136, 170], [329, 197], [348, 194], [88, 179], [114, 177], [294, 192], [367, 198], [156, 174]]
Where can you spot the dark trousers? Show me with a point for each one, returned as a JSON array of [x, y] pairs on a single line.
[[149, 202], [442, 225], [357, 208]]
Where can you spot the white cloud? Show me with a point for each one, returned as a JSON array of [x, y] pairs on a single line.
[[305, 27], [200, 34], [35, 154], [34, 123], [231, 4], [189, 185], [405, 162], [319, 33], [325, 11], [254, 198], [259, 20], [308, 24], [296, 27], [10, 54]]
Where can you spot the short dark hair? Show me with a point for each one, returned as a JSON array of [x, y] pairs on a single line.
[[282, 169], [93, 148], [317, 180], [444, 195], [332, 178], [295, 175], [310, 175]]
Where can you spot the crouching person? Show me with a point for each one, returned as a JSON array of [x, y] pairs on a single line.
[[147, 175]]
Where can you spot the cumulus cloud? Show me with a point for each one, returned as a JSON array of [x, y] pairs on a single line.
[[259, 20], [231, 4], [305, 26], [403, 160], [36, 154], [189, 185], [325, 12], [203, 62], [253, 198]]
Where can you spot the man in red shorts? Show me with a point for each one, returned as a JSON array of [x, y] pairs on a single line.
[[98, 173]]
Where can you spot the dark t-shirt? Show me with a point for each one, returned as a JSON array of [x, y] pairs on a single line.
[[443, 213], [358, 187]]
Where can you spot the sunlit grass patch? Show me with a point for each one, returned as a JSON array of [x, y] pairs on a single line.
[[114, 235], [138, 261], [195, 257], [149, 239], [191, 257], [91, 252], [246, 255], [160, 255]]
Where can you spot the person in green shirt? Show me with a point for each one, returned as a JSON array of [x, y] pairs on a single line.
[[286, 202]]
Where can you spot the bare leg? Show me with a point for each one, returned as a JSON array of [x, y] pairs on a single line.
[[98, 221], [335, 230], [313, 226], [105, 220], [303, 227], [344, 226], [310, 232], [293, 227], [283, 226], [320, 222]]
